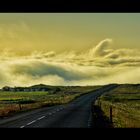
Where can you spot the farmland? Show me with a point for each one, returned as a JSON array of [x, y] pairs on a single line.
[[12, 102], [124, 101]]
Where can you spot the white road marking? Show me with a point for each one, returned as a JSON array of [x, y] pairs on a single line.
[[90, 120], [31, 122], [88, 124], [41, 117]]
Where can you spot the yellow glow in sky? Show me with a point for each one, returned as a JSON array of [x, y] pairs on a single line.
[[24, 33], [69, 48]]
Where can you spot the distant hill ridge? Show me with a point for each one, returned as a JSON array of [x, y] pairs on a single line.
[[39, 87], [43, 87]]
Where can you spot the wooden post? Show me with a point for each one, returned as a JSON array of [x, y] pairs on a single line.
[[20, 106], [111, 114], [100, 104]]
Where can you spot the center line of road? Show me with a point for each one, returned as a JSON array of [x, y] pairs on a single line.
[[41, 117], [31, 122]]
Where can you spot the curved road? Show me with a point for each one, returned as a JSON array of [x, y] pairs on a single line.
[[76, 114]]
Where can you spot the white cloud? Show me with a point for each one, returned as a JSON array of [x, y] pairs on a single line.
[[100, 49], [72, 68]]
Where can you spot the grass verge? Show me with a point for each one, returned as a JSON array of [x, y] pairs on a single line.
[[13, 102], [120, 107]]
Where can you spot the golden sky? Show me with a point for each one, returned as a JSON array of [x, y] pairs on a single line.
[[69, 48], [22, 32]]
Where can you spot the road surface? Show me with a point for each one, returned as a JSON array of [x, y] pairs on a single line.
[[76, 114]]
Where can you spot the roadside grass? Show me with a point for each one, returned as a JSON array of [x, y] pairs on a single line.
[[13, 102], [125, 103]]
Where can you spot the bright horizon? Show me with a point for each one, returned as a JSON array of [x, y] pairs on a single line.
[[69, 48]]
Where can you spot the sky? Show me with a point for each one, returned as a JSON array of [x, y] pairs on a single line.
[[69, 48]]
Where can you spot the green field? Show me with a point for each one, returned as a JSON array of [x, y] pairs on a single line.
[[13, 102], [125, 103]]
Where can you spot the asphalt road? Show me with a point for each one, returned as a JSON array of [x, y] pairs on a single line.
[[76, 114]]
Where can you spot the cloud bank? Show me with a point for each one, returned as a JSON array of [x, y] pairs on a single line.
[[98, 65]]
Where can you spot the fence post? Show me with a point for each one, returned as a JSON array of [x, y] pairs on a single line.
[[98, 101], [111, 114], [20, 106], [100, 104]]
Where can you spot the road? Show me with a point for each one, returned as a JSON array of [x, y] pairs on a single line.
[[76, 114]]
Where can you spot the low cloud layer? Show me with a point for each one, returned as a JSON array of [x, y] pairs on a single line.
[[98, 65]]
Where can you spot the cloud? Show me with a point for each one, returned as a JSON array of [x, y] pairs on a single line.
[[99, 65], [41, 69], [40, 55], [100, 49]]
